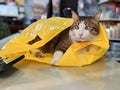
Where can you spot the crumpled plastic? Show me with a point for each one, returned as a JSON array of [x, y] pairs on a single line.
[[47, 29]]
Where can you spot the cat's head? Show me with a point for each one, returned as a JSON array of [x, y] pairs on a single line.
[[85, 28]]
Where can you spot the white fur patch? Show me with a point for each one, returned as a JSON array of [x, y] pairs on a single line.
[[56, 57]]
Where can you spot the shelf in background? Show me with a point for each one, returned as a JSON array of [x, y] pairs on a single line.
[[115, 39], [108, 1], [112, 20], [116, 59]]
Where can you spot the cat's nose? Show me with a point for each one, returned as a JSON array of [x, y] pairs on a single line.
[[80, 35]]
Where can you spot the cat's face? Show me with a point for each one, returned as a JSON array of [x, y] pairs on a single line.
[[85, 29]]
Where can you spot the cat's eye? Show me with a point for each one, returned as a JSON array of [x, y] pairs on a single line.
[[87, 27], [76, 27]]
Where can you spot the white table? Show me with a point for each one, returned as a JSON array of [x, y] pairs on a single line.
[[29, 75]]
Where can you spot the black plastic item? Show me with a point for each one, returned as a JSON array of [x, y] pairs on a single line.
[[73, 4], [4, 66], [67, 12], [50, 9]]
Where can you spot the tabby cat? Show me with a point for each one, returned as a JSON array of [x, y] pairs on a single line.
[[82, 29]]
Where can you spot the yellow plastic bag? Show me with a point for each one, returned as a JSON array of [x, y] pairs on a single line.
[[46, 29]]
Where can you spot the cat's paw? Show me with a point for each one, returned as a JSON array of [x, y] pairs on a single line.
[[38, 53], [54, 61], [56, 57]]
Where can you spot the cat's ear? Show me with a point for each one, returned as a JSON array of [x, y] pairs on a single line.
[[74, 16], [97, 15]]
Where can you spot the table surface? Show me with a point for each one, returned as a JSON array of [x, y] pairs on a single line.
[[104, 74]]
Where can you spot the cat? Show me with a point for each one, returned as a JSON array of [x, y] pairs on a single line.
[[83, 29]]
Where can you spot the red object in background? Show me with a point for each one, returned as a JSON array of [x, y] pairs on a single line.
[[16, 28], [113, 6]]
